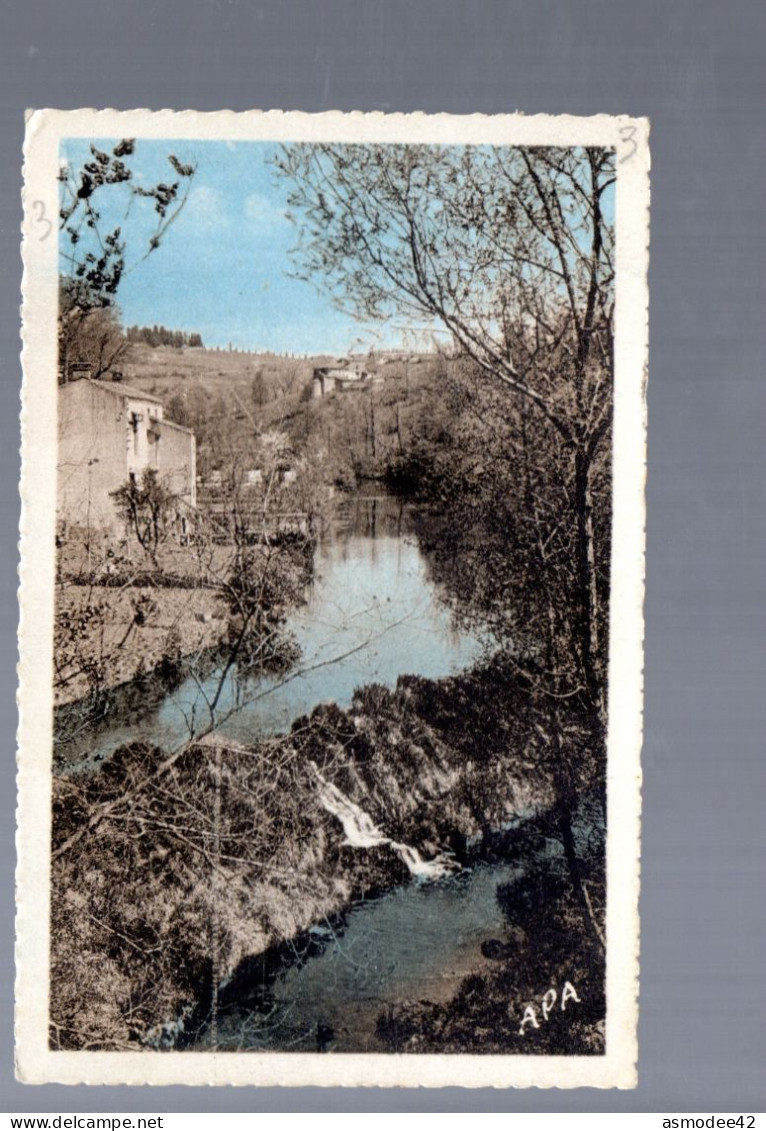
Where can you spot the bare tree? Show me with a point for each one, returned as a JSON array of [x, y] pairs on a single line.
[[94, 338], [511, 251], [144, 507], [97, 220]]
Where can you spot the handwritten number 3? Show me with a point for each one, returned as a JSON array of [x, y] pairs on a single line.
[[628, 135], [41, 218]]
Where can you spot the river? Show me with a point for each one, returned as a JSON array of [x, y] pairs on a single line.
[[371, 614], [415, 943]]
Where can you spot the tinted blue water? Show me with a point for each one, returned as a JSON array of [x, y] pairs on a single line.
[[372, 613], [415, 943]]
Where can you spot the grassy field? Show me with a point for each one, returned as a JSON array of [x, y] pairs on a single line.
[[164, 370]]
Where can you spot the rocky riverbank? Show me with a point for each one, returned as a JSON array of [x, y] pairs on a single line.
[[172, 872]]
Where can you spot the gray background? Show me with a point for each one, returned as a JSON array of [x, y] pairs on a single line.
[[698, 69]]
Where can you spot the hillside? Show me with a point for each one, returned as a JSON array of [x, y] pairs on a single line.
[[164, 370], [229, 398]]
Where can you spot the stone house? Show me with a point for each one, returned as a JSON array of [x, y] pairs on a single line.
[[108, 434]]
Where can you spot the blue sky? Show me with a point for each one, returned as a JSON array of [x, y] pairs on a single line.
[[223, 267]]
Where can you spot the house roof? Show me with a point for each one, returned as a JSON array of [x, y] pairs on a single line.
[[129, 393], [119, 389], [176, 427]]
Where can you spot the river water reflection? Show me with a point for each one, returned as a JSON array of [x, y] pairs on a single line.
[[372, 613]]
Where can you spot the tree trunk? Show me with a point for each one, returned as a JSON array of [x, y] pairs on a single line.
[[586, 581], [570, 851], [566, 797]]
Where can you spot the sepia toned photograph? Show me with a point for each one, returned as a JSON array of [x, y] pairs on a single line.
[[332, 584]]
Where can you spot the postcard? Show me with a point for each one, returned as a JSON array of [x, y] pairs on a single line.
[[332, 560]]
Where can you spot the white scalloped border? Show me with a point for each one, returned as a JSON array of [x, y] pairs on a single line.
[[35, 1062]]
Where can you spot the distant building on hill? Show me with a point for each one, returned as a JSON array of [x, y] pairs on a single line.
[[382, 356], [342, 377], [109, 434]]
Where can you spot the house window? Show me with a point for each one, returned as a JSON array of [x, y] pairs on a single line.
[[153, 440], [135, 420]]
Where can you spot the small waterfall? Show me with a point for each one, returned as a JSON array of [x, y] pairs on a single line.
[[360, 831], [435, 869]]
